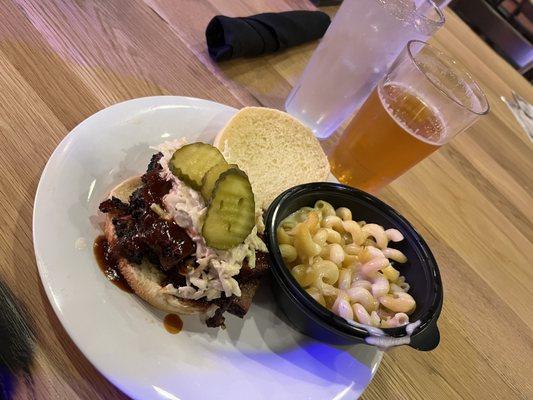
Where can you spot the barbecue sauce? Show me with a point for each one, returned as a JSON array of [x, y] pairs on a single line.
[[173, 323], [108, 264]]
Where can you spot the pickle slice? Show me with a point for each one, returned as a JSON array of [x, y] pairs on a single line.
[[191, 162], [210, 178], [231, 213]]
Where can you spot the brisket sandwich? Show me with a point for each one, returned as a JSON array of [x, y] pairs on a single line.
[[187, 233], [155, 225]]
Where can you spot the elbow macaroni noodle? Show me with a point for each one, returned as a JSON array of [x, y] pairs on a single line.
[[345, 265]]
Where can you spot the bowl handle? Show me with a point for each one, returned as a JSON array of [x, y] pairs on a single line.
[[427, 339]]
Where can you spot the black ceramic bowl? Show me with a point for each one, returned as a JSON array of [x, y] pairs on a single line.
[[312, 319]]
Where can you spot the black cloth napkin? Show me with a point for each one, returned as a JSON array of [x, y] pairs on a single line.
[[229, 38]]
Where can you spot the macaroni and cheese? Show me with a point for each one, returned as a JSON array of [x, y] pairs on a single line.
[[347, 266]]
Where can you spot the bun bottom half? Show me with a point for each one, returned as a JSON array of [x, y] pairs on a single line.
[[146, 279]]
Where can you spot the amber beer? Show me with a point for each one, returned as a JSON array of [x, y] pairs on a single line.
[[394, 129]]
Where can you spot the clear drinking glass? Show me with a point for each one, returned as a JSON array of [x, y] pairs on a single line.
[[422, 103], [443, 3], [357, 50]]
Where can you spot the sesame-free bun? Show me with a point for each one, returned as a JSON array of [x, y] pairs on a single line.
[[145, 279], [274, 149]]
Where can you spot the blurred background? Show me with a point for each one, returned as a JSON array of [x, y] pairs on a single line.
[[506, 25]]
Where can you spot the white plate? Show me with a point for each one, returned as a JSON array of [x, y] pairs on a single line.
[[260, 357]]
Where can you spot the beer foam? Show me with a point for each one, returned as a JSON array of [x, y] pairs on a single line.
[[397, 94]]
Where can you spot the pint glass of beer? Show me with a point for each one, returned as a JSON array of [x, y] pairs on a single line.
[[422, 103]]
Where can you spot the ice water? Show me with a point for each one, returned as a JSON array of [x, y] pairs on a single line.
[[362, 42]]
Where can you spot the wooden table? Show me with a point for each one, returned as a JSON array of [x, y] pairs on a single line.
[[61, 61]]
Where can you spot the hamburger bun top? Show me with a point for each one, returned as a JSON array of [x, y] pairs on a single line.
[[274, 149]]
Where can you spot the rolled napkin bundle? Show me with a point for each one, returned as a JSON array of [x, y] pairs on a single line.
[[229, 38]]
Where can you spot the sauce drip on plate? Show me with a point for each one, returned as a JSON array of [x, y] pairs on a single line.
[[108, 264], [173, 323]]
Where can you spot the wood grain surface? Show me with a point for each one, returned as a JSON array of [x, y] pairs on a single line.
[[61, 61]]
